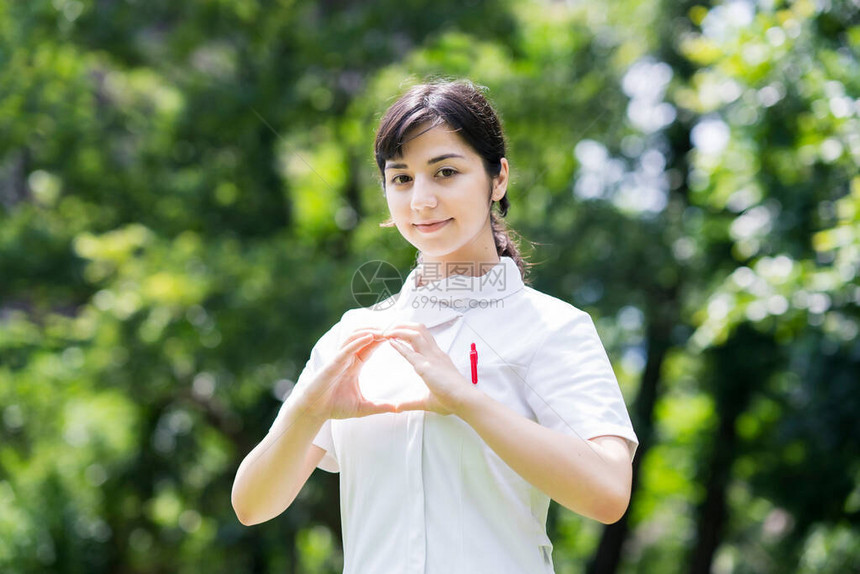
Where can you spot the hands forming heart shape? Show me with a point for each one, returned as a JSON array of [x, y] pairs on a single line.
[[335, 392]]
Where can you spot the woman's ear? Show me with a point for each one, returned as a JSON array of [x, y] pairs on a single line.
[[500, 182]]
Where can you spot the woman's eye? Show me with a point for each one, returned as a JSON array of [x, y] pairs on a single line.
[[447, 171], [399, 179]]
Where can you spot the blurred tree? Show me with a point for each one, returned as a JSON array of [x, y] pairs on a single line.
[[186, 189]]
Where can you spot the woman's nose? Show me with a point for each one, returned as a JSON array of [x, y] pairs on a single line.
[[422, 195]]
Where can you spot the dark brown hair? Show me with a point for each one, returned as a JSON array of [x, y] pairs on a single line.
[[462, 106]]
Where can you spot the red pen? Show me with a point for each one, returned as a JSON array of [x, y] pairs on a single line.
[[473, 357]]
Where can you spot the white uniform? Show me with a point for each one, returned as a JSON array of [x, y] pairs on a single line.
[[421, 492]]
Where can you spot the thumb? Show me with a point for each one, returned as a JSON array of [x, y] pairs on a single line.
[[413, 405], [369, 408]]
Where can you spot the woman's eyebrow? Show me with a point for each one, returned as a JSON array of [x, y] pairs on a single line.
[[437, 159], [444, 157]]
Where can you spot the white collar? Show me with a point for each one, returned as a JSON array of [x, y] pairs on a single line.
[[448, 298]]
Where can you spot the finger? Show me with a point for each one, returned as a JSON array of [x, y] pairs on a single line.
[[404, 349], [367, 335], [409, 335], [413, 405], [413, 327], [345, 354], [365, 353], [361, 355], [421, 343], [369, 408], [361, 333]]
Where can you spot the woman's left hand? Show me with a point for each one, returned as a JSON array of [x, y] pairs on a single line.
[[447, 387]]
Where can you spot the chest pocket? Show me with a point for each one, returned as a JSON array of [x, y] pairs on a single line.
[[503, 381]]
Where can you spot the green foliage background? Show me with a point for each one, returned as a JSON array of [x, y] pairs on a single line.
[[186, 189]]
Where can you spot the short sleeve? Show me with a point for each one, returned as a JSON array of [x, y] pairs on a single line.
[[322, 352], [572, 388]]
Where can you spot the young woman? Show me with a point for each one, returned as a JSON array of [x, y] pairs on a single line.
[[457, 409]]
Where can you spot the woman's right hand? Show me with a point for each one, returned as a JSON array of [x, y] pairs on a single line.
[[334, 393]]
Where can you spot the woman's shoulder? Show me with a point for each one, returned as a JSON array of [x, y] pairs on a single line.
[[552, 310]]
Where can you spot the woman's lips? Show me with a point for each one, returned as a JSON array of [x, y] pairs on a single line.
[[428, 228]]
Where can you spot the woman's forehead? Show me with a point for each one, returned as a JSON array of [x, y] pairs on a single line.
[[421, 142]]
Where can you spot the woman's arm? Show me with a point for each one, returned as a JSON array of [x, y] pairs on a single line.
[[590, 477], [272, 474]]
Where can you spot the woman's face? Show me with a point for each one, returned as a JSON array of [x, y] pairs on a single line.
[[439, 196]]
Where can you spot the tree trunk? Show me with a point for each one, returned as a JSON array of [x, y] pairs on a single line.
[[15, 188], [736, 371], [608, 555], [712, 512]]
